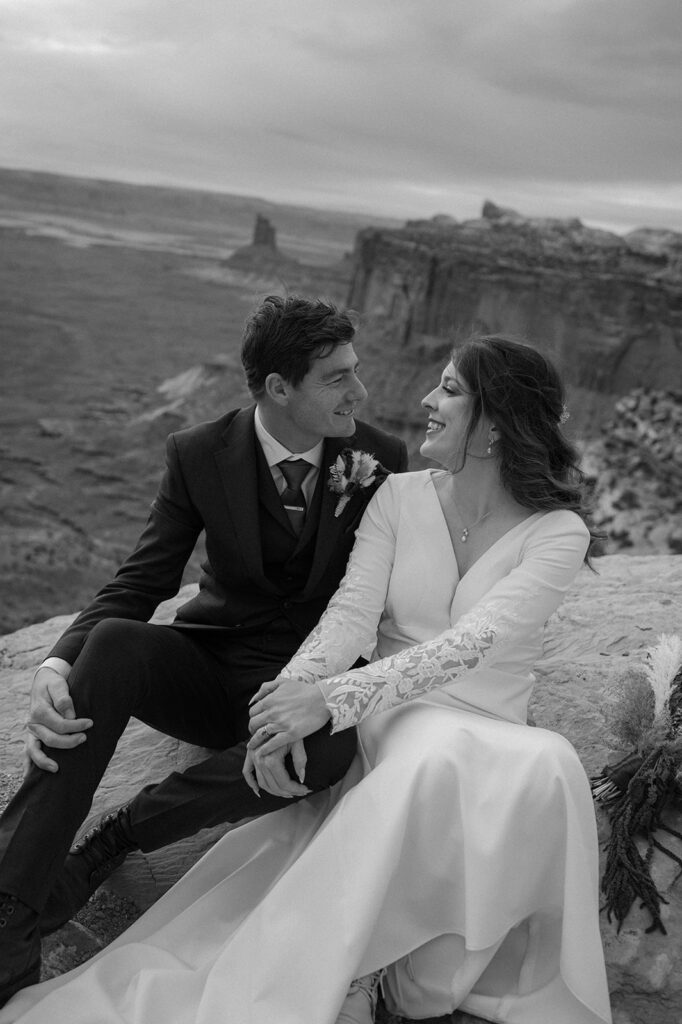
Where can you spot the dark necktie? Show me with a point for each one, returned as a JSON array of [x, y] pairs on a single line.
[[294, 472]]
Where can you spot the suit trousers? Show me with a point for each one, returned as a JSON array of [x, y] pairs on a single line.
[[192, 684]]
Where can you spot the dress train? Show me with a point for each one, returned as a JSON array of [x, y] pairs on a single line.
[[412, 852]]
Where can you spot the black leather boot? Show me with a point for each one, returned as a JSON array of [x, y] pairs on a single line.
[[19, 946], [90, 861]]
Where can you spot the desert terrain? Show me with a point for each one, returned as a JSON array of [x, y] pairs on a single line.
[[106, 292], [121, 314]]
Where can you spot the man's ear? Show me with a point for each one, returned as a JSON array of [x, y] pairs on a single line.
[[277, 389]]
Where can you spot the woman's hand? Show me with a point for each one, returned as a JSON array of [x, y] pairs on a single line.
[[284, 711], [269, 772]]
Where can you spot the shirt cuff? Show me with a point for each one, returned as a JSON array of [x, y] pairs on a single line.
[[58, 665]]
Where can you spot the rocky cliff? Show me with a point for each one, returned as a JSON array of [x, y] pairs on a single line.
[[607, 309], [264, 266], [604, 626], [117, 346], [635, 470]]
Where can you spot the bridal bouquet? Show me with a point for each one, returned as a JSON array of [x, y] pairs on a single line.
[[352, 471], [637, 790]]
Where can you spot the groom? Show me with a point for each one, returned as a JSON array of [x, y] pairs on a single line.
[[256, 481]]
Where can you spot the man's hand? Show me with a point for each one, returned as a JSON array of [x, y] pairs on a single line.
[[268, 772], [51, 720]]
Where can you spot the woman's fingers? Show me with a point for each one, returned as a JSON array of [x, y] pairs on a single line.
[[267, 745], [276, 778], [258, 720], [300, 759], [267, 732], [261, 709], [265, 689], [262, 728], [269, 721], [249, 773]]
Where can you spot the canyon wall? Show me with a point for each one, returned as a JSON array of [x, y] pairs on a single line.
[[111, 346], [607, 309]]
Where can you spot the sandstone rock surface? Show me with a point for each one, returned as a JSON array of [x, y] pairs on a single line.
[[606, 308], [263, 254], [266, 268], [606, 623]]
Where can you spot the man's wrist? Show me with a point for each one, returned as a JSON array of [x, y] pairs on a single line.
[[57, 665]]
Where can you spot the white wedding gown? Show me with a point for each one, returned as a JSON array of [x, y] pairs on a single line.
[[461, 848]]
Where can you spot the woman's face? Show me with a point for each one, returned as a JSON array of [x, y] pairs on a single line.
[[449, 408]]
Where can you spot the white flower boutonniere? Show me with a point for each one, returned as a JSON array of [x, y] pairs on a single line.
[[352, 471]]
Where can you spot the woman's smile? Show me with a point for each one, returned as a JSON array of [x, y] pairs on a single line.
[[434, 426]]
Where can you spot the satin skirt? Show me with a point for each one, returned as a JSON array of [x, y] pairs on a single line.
[[460, 849]]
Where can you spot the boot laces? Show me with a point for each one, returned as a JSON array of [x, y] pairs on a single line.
[[368, 984], [8, 904], [104, 843]]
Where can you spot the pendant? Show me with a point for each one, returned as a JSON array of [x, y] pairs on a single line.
[[465, 535]]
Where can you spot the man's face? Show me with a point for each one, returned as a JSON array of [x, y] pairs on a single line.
[[324, 403]]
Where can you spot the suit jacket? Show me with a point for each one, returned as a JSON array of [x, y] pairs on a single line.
[[211, 484]]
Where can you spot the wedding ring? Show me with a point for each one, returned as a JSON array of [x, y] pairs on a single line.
[[266, 730]]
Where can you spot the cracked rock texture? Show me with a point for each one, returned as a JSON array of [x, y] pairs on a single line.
[[605, 625], [605, 308]]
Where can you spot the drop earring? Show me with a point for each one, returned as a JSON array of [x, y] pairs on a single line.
[[491, 442]]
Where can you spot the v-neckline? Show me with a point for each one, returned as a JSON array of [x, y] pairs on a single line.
[[460, 575]]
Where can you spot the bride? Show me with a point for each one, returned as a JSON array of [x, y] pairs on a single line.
[[460, 851]]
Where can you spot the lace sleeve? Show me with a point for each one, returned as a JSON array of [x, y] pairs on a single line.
[[517, 606], [348, 628]]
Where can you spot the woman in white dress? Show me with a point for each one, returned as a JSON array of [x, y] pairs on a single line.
[[460, 852]]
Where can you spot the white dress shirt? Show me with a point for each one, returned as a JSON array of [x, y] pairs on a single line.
[[275, 452]]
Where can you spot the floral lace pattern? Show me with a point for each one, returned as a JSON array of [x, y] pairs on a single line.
[[397, 548], [347, 630], [410, 673]]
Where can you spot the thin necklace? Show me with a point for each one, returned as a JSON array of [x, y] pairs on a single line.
[[466, 530]]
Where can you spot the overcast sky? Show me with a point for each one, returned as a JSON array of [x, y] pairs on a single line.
[[402, 107]]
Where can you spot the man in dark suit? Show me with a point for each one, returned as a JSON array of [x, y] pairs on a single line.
[[256, 481]]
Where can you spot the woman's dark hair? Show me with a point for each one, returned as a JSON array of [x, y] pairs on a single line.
[[284, 334], [519, 390]]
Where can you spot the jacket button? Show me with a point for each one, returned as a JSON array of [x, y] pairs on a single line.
[[287, 604]]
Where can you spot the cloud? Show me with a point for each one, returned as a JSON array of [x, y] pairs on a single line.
[[620, 54], [393, 102]]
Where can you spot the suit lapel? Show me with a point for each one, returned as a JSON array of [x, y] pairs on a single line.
[[237, 466]]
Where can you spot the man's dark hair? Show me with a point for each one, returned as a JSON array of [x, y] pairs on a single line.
[[284, 335]]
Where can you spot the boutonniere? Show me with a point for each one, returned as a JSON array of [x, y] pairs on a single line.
[[352, 472]]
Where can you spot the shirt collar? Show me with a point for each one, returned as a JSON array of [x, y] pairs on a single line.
[[275, 451]]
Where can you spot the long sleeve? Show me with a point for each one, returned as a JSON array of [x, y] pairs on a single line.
[[518, 604], [513, 611], [153, 572], [348, 628]]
